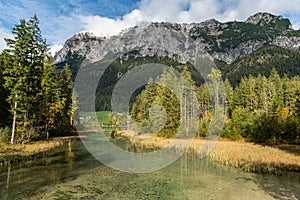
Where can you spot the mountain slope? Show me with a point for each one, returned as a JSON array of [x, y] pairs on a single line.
[[285, 61], [264, 41], [224, 41]]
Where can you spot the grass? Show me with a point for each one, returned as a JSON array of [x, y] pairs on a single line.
[[102, 117], [248, 157], [33, 150], [20, 152], [256, 158]]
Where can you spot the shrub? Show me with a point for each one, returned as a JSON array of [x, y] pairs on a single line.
[[203, 127], [5, 134]]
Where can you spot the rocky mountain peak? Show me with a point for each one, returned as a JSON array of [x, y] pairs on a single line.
[[80, 44], [80, 37], [211, 22], [224, 41], [263, 18]]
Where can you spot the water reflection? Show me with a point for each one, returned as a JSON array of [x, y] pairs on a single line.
[[8, 175], [74, 174], [70, 155]]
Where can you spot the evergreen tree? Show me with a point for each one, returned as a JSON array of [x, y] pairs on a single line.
[[4, 107], [204, 99], [65, 95], [23, 72], [242, 94], [187, 98], [169, 86], [49, 102], [214, 81], [144, 101], [262, 92], [229, 96], [277, 90]]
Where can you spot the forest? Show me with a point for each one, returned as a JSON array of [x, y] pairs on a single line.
[[259, 109], [36, 101], [37, 98]]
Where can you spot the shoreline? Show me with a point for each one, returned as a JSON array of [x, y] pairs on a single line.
[[34, 150], [244, 156]]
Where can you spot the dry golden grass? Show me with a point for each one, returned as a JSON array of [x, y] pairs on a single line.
[[8, 150], [242, 155], [255, 158], [248, 157]]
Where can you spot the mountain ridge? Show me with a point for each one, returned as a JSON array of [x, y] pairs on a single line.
[[239, 49], [223, 41]]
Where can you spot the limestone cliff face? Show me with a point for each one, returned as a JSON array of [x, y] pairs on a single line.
[[241, 50], [292, 42], [223, 41], [263, 19], [81, 44]]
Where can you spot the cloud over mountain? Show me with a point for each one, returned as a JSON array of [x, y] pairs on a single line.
[[61, 19]]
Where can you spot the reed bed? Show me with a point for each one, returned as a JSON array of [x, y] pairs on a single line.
[[20, 152], [248, 157], [256, 158]]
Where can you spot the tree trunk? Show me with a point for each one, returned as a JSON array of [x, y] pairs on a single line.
[[14, 124]]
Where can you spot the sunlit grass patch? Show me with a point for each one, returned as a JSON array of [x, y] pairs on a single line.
[[255, 158], [18, 152], [245, 156]]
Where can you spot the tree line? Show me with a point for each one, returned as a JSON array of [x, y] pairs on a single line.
[[166, 105], [36, 101], [259, 109], [264, 109]]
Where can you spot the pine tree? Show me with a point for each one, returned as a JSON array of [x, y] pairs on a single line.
[[4, 107], [65, 94], [166, 97], [188, 100], [214, 82], [277, 90], [23, 72], [144, 101], [229, 96], [262, 92], [49, 102], [204, 99]]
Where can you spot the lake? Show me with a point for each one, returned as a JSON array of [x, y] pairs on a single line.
[[73, 173]]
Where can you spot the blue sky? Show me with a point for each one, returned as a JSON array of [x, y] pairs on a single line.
[[60, 19]]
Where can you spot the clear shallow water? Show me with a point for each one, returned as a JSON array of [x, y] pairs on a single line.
[[74, 174]]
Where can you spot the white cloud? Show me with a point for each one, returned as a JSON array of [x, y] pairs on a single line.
[[102, 26], [198, 11], [59, 22], [157, 10], [296, 26], [3, 34], [60, 28], [55, 48]]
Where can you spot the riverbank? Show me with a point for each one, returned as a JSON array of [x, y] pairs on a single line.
[[248, 157], [31, 151]]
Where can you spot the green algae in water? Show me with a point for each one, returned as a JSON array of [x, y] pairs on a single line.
[[75, 174]]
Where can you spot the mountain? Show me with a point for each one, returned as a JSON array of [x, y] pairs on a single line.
[[262, 42], [224, 41]]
